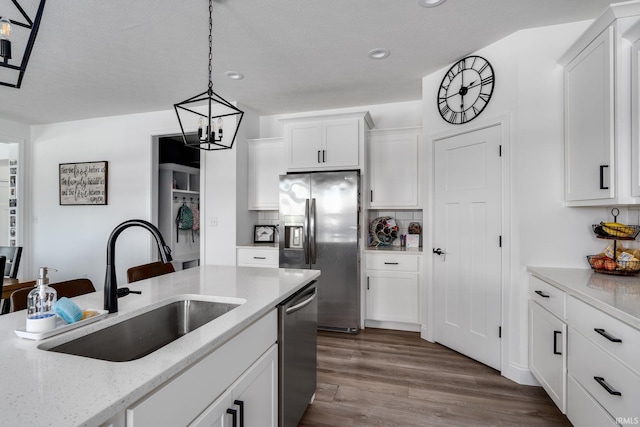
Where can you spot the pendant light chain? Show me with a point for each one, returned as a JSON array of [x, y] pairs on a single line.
[[210, 44]]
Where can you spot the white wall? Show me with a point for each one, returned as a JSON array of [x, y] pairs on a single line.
[[543, 232], [73, 239]]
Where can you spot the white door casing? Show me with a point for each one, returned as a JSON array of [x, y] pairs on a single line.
[[467, 277]]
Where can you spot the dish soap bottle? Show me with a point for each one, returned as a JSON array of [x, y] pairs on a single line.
[[40, 314]]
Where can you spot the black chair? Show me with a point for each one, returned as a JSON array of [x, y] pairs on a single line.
[[12, 254], [146, 271]]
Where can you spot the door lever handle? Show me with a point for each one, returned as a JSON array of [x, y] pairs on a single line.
[[440, 251]]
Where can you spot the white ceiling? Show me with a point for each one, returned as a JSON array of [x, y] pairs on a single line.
[[97, 58]]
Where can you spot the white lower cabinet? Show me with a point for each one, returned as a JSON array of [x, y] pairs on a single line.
[[257, 257], [596, 379], [547, 352], [244, 369], [250, 401], [393, 290]]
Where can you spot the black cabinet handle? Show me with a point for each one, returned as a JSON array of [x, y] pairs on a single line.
[[234, 416], [319, 157], [371, 195], [324, 159], [259, 257], [602, 187], [391, 263], [542, 294], [607, 335], [555, 342], [606, 386], [240, 403]]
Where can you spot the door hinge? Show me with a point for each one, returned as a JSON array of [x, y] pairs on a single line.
[[499, 331], [499, 150], [500, 241]]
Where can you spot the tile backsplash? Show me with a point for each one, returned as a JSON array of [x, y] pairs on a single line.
[[403, 219]]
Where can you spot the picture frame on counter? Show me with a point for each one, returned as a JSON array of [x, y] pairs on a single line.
[[264, 234]]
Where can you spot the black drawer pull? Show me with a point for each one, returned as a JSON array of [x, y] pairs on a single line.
[[606, 386], [234, 416], [555, 342], [391, 263], [542, 294], [240, 403], [259, 257], [607, 335]]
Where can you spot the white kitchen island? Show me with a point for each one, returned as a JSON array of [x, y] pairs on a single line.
[[44, 388]]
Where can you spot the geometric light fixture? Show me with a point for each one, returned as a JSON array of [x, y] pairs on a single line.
[[208, 111], [17, 29]]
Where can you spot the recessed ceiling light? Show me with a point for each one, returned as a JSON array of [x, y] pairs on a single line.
[[430, 3], [379, 53], [234, 75]]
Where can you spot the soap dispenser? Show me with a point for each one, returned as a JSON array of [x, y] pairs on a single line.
[[40, 314]]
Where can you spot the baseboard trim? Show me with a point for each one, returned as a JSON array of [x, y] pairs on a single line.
[[399, 326], [520, 374]]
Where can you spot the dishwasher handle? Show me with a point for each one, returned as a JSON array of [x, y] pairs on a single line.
[[302, 304]]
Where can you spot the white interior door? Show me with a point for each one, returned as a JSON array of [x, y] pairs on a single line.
[[467, 230]]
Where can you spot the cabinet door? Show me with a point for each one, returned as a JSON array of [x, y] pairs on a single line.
[[547, 352], [392, 296], [216, 415], [589, 122], [256, 392], [266, 164], [393, 170], [303, 145], [340, 143]]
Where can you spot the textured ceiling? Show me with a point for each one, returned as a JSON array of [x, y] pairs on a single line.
[[97, 58]]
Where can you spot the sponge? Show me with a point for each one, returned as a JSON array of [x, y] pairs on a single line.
[[67, 310]]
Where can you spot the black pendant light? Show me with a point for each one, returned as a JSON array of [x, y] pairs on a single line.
[[19, 25], [207, 112]]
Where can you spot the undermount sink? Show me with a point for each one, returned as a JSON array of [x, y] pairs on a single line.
[[145, 333]]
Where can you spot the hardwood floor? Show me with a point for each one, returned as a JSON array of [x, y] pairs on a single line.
[[394, 378]]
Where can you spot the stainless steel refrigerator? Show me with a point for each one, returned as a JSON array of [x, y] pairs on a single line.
[[319, 224]]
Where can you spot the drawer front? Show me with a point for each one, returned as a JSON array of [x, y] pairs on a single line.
[[257, 258], [596, 371], [393, 262], [548, 296], [582, 410], [617, 338]]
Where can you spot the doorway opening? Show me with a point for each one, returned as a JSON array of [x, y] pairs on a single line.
[[177, 194]]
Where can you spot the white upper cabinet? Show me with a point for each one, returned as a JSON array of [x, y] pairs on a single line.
[[265, 165], [325, 142], [597, 115], [393, 157]]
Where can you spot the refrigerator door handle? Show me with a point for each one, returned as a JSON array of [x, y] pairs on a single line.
[[312, 231], [305, 232]]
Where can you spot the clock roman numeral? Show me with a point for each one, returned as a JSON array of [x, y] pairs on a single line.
[[487, 80], [484, 67], [484, 97], [444, 111]]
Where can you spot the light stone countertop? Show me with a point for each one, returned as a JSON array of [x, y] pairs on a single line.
[[618, 296], [42, 388]]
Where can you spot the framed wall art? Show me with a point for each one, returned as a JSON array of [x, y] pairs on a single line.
[[264, 234], [84, 183]]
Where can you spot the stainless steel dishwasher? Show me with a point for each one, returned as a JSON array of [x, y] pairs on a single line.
[[297, 354]]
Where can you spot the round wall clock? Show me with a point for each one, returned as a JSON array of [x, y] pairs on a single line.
[[465, 90]]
